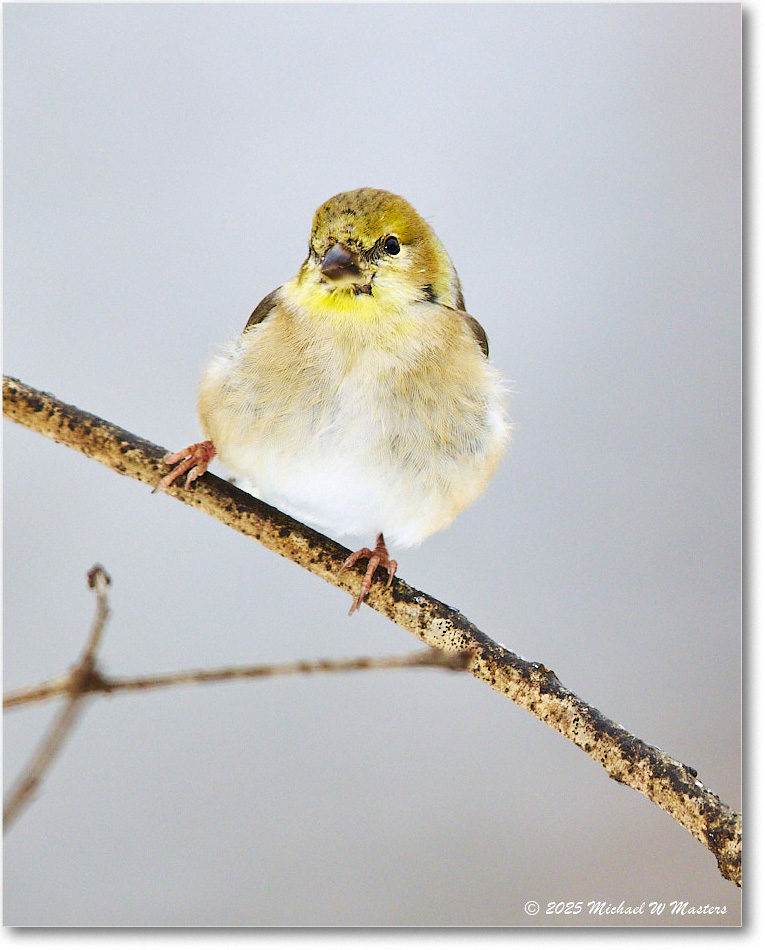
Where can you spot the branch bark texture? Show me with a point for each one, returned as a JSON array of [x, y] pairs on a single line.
[[672, 786]]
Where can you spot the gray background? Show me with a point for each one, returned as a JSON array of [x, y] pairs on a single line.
[[581, 165]]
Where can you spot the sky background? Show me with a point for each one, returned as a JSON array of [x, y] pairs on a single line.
[[581, 164]]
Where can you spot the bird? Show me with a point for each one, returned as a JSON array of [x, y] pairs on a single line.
[[359, 397]]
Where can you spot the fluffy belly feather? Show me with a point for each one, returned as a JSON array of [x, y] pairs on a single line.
[[356, 452]]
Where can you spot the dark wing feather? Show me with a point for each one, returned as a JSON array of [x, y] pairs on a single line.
[[478, 332], [263, 309]]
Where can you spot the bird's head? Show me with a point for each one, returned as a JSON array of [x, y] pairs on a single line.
[[371, 252]]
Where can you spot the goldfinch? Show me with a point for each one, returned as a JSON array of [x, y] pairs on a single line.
[[359, 397]]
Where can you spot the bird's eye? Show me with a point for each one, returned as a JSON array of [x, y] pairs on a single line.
[[391, 245]]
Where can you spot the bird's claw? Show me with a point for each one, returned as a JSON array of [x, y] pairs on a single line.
[[193, 460], [378, 557]]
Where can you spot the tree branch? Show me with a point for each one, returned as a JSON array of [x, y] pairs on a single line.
[[86, 678], [100, 683], [668, 783], [77, 685]]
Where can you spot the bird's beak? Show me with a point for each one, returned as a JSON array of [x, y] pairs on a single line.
[[341, 264]]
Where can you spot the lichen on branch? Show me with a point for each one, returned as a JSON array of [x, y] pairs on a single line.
[[672, 786]]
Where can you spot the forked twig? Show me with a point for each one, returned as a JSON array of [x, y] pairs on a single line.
[[100, 683], [85, 678], [76, 687]]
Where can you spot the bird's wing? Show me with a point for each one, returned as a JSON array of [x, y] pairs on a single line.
[[478, 332], [263, 309]]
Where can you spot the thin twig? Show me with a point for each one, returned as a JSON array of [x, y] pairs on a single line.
[[668, 783], [100, 683], [85, 678], [76, 688], [48, 689]]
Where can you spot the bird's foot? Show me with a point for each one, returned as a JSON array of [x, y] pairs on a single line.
[[194, 459], [377, 558]]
